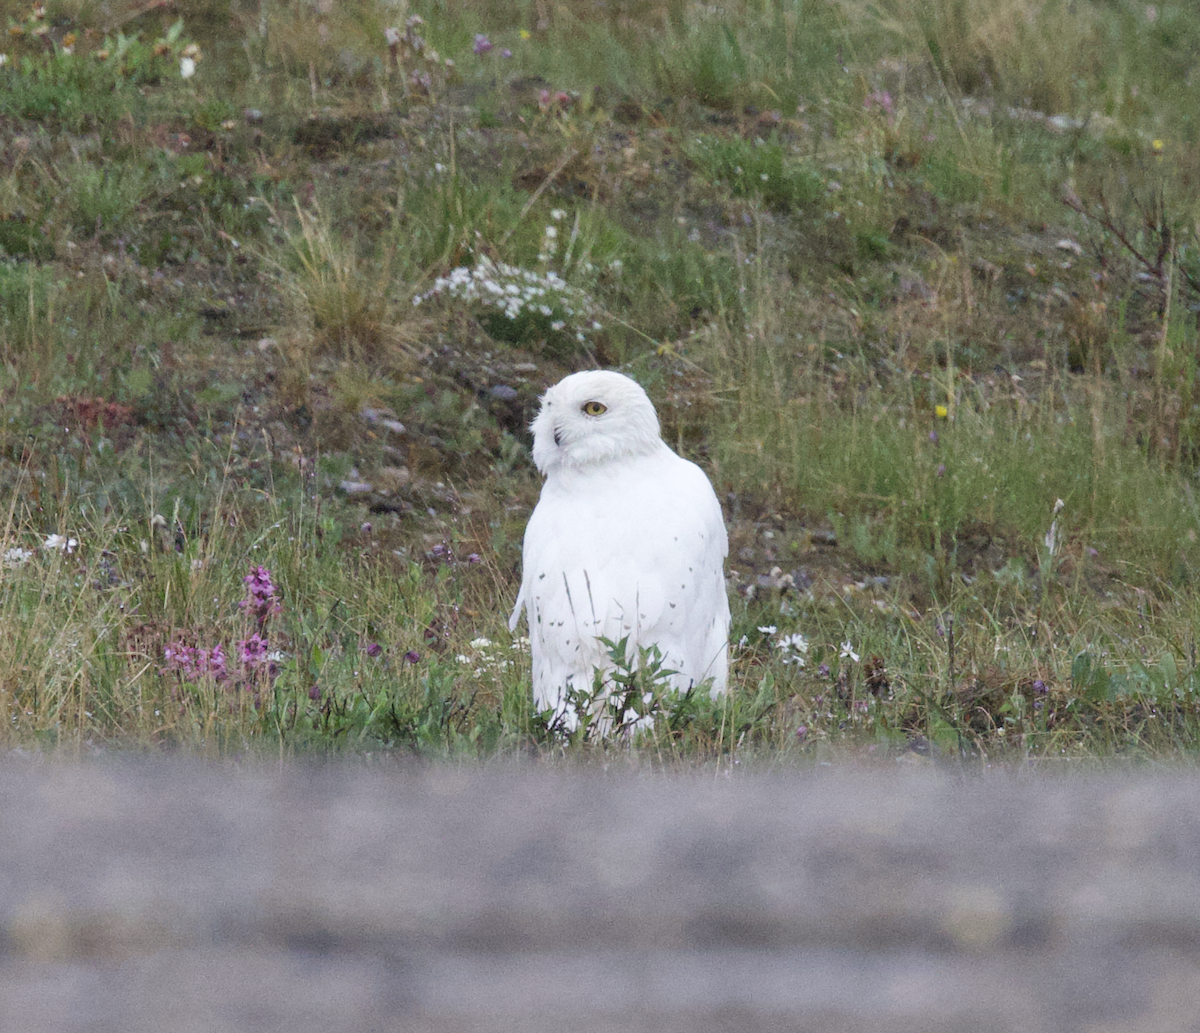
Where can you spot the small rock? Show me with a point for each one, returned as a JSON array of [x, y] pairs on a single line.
[[1061, 123], [503, 392], [253, 115], [355, 487], [384, 417]]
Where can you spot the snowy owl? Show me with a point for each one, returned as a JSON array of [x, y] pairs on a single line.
[[626, 541]]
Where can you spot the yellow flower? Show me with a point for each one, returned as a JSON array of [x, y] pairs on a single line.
[[525, 34], [941, 412], [1157, 145]]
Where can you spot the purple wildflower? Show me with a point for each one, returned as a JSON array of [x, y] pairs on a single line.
[[412, 656], [482, 44], [193, 664], [216, 663], [374, 649], [252, 651], [263, 599]]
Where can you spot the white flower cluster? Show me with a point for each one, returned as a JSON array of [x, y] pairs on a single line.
[[488, 657], [512, 290], [15, 556], [794, 649]]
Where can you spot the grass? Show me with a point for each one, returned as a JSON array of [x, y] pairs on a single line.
[[901, 276]]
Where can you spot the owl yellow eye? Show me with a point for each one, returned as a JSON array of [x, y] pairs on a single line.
[[595, 408]]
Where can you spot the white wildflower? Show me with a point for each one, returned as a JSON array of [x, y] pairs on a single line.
[[60, 542], [187, 67], [768, 629], [513, 291], [847, 652], [15, 556], [794, 649]]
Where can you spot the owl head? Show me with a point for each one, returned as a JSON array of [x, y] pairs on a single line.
[[593, 417]]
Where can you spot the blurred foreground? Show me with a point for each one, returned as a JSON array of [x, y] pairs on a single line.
[[184, 897]]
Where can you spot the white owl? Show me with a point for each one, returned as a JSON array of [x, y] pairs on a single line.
[[626, 541]]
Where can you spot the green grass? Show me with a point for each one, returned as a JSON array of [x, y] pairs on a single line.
[[899, 275]]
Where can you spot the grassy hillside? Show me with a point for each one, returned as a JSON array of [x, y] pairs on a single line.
[[916, 281]]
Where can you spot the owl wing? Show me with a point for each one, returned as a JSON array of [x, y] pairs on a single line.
[[633, 553]]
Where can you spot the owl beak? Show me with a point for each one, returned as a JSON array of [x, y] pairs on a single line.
[[557, 437]]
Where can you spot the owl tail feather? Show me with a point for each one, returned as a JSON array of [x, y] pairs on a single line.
[[516, 614]]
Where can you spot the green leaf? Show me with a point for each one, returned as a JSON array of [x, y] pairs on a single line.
[[1170, 672]]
